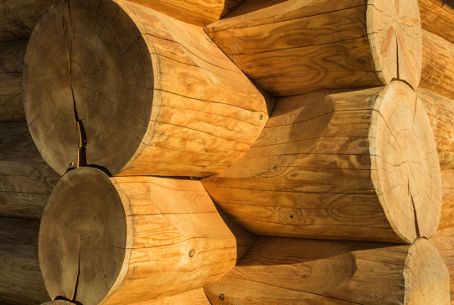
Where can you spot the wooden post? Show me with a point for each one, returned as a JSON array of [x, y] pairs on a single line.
[[26, 181], [159, 99], [18, 18], [21, 282], [130, 239], [292, 271], [441, 115], [438, 65], [437, 16], [292, 47], [199, 12], [11, 62], [358, 165]]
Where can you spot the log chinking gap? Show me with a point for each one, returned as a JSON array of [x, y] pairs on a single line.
[[297, 46], [125, 240], [136, 92], [358, 165]]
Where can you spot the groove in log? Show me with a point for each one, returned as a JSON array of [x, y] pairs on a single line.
[[437, 16], [199, 12], [292, 47], [113, 240], [26, 181], [18, 18], [358, 165], [304, 272], [438, 65], [11, 62], [184, 108], [21, 282], [441, 115]]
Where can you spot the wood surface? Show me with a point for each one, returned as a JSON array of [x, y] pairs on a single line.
[[26, 181], [304, 272], [18, 17], [11, 62], [359, 165], [441, 115], [437, 16], [438, 65], [130, 239], [297, 46], [21, 282], [199, 12], [184, 108], [193, 297]]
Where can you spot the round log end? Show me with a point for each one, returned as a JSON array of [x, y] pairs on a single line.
[[395, 36], [82, 244], [88, 85], [427, 278], [405, 166]]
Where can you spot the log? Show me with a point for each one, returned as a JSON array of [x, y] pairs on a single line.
[[441, 115], [358, 165], [292, 47], [11, 62], [26, 181], [126, 240], [21, 282], [184, 108], [18, 18], [304, 272], [199, 12], [438, 65], [437, 16]]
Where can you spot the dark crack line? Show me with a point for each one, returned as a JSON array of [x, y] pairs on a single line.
[[418, 234]]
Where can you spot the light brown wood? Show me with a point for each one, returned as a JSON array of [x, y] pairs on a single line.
[[130, 239], [11, 62], [358, 165], [297, 46], [437, 16], [159, 99], [199, 12], [26, 181], [21, 282], [17, 18], [438, 65], [441, 115], [304, 272], [193, 297]]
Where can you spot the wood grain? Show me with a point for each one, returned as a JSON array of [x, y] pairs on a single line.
[[184, 108], [131, 239], [26, 181], [437, 16], [293, 47], [303, 272], [21, 282], [358, 165]]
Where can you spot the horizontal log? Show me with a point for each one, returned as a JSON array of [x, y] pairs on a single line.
[[358, 165], [130, 239], [11, 62], [438, 65], [21, 282], [200, 12], [18, 18], [437, 16], [441, 115], [303, 272], [293, 47], [184, 108], [26, 181]]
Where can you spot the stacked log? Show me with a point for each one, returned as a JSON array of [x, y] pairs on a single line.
[[184, 108], [293, 47], [437, 16]]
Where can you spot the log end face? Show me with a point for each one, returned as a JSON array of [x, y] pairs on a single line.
[[82, 243], [405, 166], [427, 278], [395, 37]]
